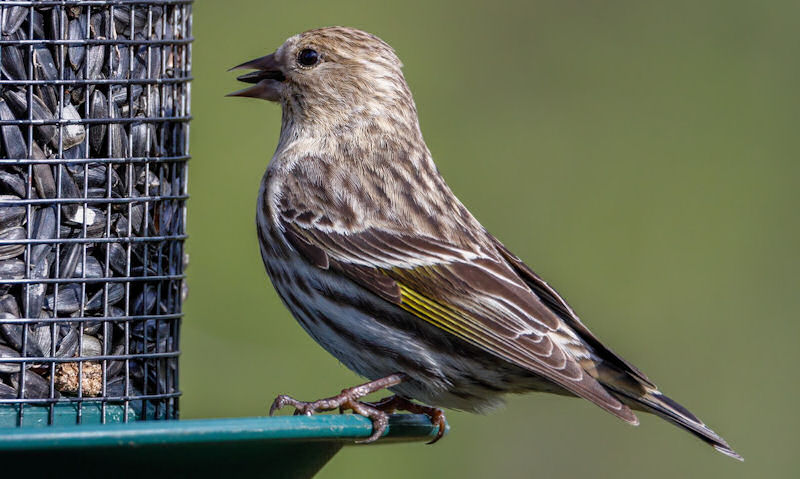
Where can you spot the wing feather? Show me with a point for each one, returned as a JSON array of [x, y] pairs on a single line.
[[474, 296], [555, 302]]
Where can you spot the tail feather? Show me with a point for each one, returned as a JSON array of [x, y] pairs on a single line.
[[653, 401]]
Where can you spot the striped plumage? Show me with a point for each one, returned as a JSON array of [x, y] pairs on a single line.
[[384, 267]]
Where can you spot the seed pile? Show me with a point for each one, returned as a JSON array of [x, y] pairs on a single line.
[[94, 112]]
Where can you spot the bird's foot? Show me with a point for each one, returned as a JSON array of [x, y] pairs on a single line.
[[395, 403], [347, 399]]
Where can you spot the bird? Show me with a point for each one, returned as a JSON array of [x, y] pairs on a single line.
[[382, 265]]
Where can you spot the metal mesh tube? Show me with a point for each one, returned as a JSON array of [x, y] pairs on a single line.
[[94, 136]]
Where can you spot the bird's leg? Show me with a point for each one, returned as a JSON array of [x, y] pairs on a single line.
[[347, 399], [394, 403]]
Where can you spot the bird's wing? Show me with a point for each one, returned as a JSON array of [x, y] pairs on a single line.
[[556, 303], [474, 296]]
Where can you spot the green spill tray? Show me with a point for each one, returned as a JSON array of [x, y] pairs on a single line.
[[274, 447]]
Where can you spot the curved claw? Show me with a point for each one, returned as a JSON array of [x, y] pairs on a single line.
[[378, 428], [393, 403], [279, 403], [438, 419], [380, 420]]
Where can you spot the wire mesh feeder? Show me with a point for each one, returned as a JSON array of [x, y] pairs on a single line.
[[94, 123]]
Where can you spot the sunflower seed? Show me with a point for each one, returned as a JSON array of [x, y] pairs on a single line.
[[12, 64], [12, 183], [116, 291], [120, 63], [118, 138], [69, 260], [69, 189], [38, 25], [93, 268], [14, 17], [13, 333], [11, 250], [44, 227], [10, 215], [43, 178], [35, 385], [12, 269], [69, 344], [90, 346], [7, 392], [9, 305], [73, 134], [98, 110], [43, 64], [14, 145], [66, 300], [8, 367], [42, 336], [33, 297], [77, 52], [118, 258], [37, 110]]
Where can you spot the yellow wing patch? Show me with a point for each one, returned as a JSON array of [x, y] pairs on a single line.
[[441, 316]]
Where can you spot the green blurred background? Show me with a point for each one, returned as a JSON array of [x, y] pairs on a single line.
[[641, 156]]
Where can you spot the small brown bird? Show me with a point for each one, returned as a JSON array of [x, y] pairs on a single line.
[[385, 268]]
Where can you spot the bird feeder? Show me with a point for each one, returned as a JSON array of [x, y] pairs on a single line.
[[94, 122]]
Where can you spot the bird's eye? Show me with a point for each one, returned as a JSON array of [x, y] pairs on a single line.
[[308, 57]]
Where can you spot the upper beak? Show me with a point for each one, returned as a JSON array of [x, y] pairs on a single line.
[[267, 73]]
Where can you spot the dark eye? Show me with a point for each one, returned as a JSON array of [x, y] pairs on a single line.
[[308, 57]]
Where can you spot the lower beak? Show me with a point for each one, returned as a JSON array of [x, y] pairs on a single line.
[[267, 78]]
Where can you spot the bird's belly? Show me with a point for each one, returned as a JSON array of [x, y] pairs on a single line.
[[375, 338]]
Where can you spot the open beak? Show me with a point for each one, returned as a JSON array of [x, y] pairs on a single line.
[[267, 79]]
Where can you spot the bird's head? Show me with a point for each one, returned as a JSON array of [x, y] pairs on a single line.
[[328, 74]]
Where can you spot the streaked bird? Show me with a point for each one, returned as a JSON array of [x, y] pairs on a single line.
[[385, 268]]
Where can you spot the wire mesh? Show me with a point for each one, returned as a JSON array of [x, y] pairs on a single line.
[[94, 128]]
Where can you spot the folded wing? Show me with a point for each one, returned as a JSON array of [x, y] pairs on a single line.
[[474, 295]]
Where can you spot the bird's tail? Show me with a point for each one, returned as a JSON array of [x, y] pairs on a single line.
[[651, 400]]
